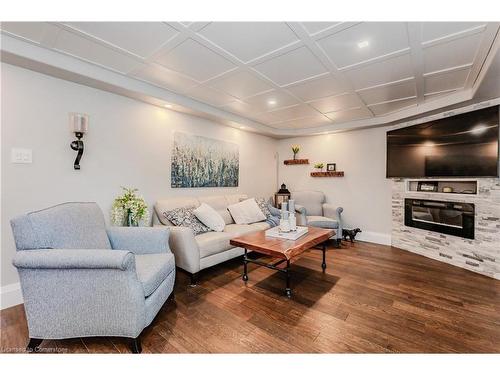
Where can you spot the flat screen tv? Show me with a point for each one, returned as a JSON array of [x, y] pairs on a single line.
[[464, 145]]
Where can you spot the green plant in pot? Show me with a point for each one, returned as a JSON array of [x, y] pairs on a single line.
[[295, 150], [319, 166], [129, 208]]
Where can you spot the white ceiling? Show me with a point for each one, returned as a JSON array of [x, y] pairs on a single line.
[[285, 75]]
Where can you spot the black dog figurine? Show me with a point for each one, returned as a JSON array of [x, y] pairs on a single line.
[[351, 233]]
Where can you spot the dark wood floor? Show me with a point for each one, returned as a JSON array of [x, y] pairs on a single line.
[[372, 299]]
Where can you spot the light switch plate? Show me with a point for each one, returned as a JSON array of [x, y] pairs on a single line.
[[21, 156]]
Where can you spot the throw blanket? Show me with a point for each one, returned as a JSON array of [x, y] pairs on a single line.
[[274, 219]]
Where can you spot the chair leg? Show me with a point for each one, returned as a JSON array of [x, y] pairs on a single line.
[[135, 346], [194, 278], [33, 345]]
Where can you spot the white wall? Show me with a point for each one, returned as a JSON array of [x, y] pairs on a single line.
[[128, 144], [364, 192]]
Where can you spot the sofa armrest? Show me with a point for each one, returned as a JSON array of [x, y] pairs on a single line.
[[74, 259], [332, 212], [185, 248], [139, 240]]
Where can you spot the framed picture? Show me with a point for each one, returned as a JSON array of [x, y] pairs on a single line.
[[427, 186], [331, 167]]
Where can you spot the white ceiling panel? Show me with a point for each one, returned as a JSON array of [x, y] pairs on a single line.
[[140, 38], [254, 39], [342, 47], [241, 84], [271, 100], [94, 52], [436, 30], [210, 96], [389, 92], [447, 55], [390, 70], [195, 60], [317, 88], [294, 112], [349, 115], [446, 81], [33, 31], [164, 77], [291, 67], [316, 27], [284, 73], [337, 103], [388, 107]]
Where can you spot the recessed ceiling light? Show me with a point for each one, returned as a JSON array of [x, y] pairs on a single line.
[[429, 144], [271, 102], [242, 127], [167, 105], [363, 44]]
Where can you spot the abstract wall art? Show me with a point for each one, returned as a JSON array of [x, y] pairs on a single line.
[[203, 162]]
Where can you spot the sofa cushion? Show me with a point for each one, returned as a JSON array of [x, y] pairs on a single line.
[[164, 205], [211, 243], [152, 269], [219, 203], [185, 217], [264, 206], [311, 200], [211, 218], [246, 212], [236, 230], [263, 225], [322, 222]]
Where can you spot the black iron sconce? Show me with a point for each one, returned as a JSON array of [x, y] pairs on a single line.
[[79, 125]]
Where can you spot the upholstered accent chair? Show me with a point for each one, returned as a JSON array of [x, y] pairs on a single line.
[[80, 279], [314, 211]]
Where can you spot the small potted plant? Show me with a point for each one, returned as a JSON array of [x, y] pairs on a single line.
[[319, 166], [129, 208], [295, 150]]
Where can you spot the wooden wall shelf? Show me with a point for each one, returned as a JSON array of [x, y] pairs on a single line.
[[327, 174], [296, 161]]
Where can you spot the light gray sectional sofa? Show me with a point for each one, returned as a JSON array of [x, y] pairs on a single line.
[[80, 279], [195, 253]]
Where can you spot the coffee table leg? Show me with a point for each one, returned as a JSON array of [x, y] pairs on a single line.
[[245, 262], [323, 265], [288, 291]]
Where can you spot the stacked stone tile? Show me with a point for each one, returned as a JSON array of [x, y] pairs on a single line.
[[481, 255]]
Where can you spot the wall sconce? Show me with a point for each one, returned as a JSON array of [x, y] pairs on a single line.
[[78, 124]]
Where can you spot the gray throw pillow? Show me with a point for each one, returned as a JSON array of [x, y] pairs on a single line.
[[184, 217], [264, 206]]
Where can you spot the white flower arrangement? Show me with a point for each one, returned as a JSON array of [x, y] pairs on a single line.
[[129, 208]]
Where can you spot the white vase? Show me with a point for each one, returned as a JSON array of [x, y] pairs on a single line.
[[292, 222]]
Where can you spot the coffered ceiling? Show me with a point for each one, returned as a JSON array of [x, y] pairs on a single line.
[[285, 75]]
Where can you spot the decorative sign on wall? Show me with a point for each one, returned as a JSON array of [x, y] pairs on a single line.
[[203, 162]]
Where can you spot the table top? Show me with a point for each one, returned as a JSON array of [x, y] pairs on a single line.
[[279, 247]]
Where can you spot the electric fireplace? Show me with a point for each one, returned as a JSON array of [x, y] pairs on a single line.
[[454, 218]]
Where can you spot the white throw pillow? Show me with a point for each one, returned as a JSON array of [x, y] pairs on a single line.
[[211, 218], [246, 212]]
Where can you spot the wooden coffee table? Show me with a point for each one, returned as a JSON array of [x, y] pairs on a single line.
[[280, 248]]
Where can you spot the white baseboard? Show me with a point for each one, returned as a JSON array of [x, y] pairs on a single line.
[[375, 237], [10, 295]]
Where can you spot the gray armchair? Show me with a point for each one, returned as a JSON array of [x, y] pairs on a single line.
[[79, 279], [314, 211]]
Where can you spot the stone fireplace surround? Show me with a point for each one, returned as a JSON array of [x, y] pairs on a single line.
[[481, 255]]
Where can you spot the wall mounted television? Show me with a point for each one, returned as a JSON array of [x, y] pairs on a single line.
[[464, 145]]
